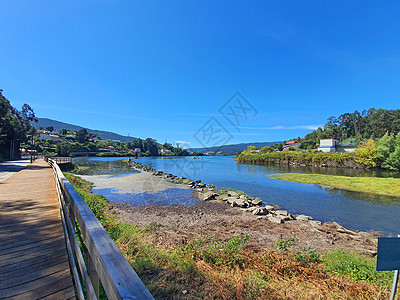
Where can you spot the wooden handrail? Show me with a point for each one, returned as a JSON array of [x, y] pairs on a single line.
[[105, 261]]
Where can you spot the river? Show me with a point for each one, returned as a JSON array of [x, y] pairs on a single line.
[[353, 210]]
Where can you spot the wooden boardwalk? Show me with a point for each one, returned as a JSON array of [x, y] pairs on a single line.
[[33, 257]]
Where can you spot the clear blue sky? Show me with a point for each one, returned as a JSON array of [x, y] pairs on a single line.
[[161, 69]]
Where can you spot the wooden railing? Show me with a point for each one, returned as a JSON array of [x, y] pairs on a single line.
[[106, 263]]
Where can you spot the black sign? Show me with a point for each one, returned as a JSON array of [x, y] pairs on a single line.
[[388, 254]]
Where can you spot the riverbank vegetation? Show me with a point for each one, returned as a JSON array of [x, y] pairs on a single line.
[[375, 132], [373, 185], [232, 269]]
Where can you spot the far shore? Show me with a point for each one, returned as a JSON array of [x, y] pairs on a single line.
[[374, 185]]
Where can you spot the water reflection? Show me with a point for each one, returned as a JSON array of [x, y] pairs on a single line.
[[103, 167], [165, 197]]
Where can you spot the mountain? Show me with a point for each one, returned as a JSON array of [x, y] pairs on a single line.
[[45, 122], [234, 148]]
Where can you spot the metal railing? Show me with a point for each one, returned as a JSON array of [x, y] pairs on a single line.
[[106, 263], [62, 160]]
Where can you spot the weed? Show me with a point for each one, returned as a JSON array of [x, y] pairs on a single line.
[[307, 256], [285, 245], [355, 266]]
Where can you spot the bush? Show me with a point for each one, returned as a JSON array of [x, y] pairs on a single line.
[[366, 154]]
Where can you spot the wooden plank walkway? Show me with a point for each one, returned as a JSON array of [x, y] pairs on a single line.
[[33, 257]]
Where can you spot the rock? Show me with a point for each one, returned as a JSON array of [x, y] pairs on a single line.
[[269, 207], [303, 218], [251, 209], [281, 212], [233, 194], [260, 211], [239, 203], [230, 200], [221, 198], [201, 185], [315, 223], [207, 196], [275, 219], [256, 201]]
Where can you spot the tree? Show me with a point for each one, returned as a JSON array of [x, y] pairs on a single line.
[[14, 126], [266, 149], [385, 146], [366, 154], [82, 135], [307, 144], [150, 147], [64, 131], [50, 128], [393, 160], [62, 149]]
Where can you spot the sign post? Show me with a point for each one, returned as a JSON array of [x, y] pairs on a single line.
[[389, 259]]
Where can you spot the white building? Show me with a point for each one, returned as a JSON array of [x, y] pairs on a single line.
[[328, 145], [332, 145]]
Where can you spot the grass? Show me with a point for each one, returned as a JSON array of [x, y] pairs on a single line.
[[373, 185], [211, 268]]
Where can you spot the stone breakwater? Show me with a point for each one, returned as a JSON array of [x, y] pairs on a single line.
[[207, 192]]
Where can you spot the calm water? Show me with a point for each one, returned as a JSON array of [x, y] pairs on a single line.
[[353, 210]]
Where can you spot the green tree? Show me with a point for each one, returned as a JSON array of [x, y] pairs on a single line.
[[393, 160], [82, 136], [50, 128], [62, 149], [266, 149], [14, 126], [366, 154], [385, 145], [307, 144], [150, 147]]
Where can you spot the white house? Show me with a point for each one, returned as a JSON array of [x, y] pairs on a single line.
[[328, 145], [332, 145], [165, 151]]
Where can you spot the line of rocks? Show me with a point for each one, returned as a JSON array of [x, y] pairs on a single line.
[[206, 192]]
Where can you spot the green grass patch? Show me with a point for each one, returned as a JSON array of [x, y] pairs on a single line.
[[355, 266], [373, 185]]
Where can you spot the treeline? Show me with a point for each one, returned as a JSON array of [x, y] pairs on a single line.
[[356, 127], [383, 153], [15, 125]]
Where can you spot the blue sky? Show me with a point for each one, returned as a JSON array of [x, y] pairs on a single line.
[[162, 69]]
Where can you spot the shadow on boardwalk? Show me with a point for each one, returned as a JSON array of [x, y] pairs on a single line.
[[33, 257]]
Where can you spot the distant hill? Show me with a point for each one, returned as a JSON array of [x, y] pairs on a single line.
[[45, 122], [234, 148]]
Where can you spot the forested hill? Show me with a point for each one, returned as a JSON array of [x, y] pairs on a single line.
[[357, 126], [233, 149], [45, 122]]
